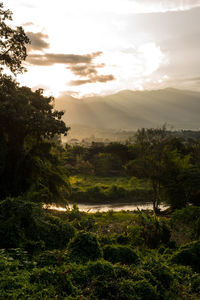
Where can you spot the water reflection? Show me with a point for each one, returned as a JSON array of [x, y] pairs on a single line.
[[106, 207]]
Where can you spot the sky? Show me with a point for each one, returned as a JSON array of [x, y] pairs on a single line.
[[87, 47]]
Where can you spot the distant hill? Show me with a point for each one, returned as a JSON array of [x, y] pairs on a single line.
[[130, 110]]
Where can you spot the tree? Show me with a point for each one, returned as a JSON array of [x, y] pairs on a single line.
[[182, 185], [84, 166], [162, 161], [157, 159], [12, 44], [29, 161], [149, 163], [28, 124]]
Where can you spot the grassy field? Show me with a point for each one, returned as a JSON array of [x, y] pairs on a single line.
[[127, 183], [100, 190]]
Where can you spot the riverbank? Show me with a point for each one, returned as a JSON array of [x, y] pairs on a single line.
[[115, 207]]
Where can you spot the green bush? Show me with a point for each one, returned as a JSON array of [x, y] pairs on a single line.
[[195, 283], [52, 276], [122, 254], [50, 258], [122, 271], [45, 275], [92, 195], [104, 194], [123, 239], [135, 234], [84, 247], [102, 289], [189, 216], [155, 231], [116, 192], [188, 255], [138, 290], [55, 232], [161, 274], [101, 269], [26, 224], [141, 274], [144, 290], [79, 275]]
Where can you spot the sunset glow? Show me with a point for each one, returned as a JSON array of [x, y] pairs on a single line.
[[132, 54]]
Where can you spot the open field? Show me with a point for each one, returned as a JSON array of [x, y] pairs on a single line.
[[92, 189]]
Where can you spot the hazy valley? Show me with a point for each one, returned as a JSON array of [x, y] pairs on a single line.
[[127, 111]]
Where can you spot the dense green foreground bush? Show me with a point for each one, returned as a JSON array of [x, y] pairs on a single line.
[[94, 256], [26, 224], [153, 278]]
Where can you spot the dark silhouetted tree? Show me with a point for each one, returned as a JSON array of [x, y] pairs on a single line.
[[28, 124], [12, 44]]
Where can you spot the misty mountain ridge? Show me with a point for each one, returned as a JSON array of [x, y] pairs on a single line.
[[130, 110]]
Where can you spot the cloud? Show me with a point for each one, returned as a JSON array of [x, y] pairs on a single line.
[[28, 24], [90, 72], [126, 7], [185, 82], [158, 6], [79, 65], [49, 59], [85, 69], [37, 41], [93, 79]]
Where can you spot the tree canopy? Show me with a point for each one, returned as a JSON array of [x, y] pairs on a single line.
[[29, 163], [12, 44], [28, 124]]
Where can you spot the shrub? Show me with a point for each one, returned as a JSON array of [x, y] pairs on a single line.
[[85, 247], [138, 290], [144, 290], [93, 194], [126, 289], [103, 289], [195, 283], [26, 224], [49, 258], [122, 254], [155, 231], [188, 255], [123, 239], [116, 192], [101, 269], [51, 276], [79, 275], [140, 274], [55, 232], [161, 273], [189, 216], [135, 234], [122, 272]]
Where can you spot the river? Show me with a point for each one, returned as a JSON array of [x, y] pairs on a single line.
[[114, 207]]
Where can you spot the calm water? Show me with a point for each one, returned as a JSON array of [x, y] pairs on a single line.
[[106, 207]]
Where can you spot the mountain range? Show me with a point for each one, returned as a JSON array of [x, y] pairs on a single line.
[[130, 110]]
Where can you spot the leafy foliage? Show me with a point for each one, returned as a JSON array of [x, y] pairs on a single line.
[[122, 254], [28, 161], [26, 224], [84, 247], [12, 43], [188, 255]]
